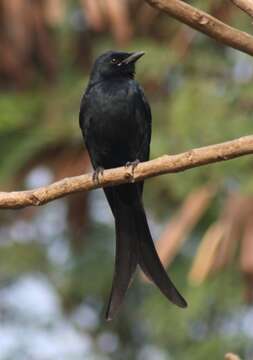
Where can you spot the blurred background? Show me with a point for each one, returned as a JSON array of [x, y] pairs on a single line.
[[56, 262]]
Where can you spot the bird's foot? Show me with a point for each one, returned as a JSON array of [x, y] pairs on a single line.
[[133, 165], [99, 171]]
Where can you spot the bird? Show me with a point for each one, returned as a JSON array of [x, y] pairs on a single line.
[[115, 120]]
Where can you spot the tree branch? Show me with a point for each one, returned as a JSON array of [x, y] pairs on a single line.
[[245, 5], [162, 165], [206, 24]]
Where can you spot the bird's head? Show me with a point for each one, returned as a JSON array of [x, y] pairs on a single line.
[[115, 64]]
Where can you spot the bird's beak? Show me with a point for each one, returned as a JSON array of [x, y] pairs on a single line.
[[133, 57]]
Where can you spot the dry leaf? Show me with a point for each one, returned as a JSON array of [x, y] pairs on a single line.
[[118, 15], [206, 253]]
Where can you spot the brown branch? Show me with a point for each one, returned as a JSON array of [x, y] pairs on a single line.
[[206, 24], [162, 165], [245, 5]]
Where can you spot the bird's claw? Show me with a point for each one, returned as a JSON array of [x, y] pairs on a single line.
[[132, 164], [99, 171]]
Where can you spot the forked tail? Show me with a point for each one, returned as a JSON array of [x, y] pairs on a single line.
[[134, 245]]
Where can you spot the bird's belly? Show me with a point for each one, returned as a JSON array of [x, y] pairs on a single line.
[[115, 137]]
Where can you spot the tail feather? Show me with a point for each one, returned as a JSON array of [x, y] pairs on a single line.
[[151, 265], [134, 245], [125, 259]]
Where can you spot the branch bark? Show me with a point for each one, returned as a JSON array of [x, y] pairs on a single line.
[[162, 165], [245, 5], [206, 24]]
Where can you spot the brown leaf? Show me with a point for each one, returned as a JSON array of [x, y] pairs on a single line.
[[232, 216], [118, 15], [183, 222], [93, 11], [219, 242], [54, 11], [206, 253], [246, 254]]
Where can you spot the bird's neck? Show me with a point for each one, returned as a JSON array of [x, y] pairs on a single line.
[[98, 78]]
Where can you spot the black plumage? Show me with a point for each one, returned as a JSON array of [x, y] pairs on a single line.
[[115, 120]]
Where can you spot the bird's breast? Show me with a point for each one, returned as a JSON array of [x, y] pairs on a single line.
[[114, 130], [114, 113]]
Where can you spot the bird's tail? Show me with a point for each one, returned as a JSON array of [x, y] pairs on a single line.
[[134, 245]]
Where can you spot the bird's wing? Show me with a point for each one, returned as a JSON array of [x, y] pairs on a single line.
[[85, 116], [144, 119], [83, 107], [84, 123]]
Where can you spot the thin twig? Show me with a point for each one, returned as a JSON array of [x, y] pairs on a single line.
[[162, 165], [245, 5], [206, 24]]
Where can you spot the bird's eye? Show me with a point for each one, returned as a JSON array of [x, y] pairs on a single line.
[[114, 61]]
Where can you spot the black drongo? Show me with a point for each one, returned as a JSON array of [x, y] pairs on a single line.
[[115, 120]]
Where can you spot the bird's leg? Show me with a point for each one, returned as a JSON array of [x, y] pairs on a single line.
[[99, 171], [132, 164]]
